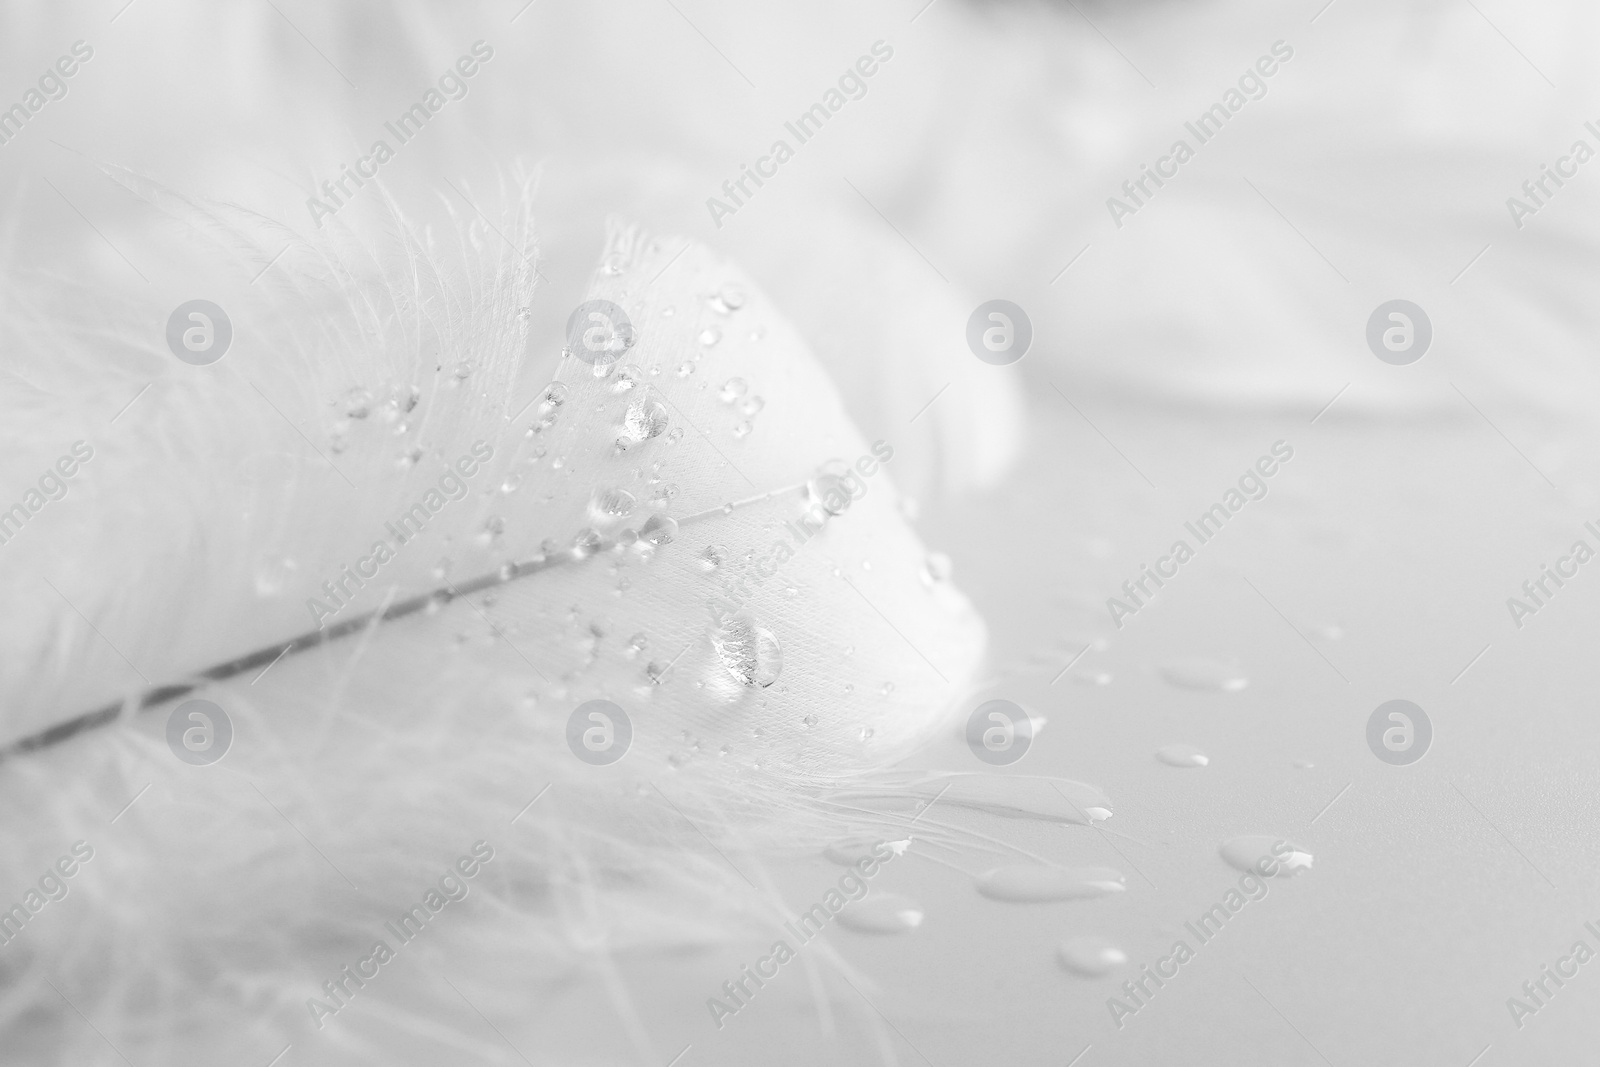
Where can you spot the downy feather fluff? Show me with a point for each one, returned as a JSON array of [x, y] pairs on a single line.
[[219, 499]]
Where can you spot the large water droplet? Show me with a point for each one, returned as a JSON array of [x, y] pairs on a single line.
[[882, 913], [830, 491], [1244, 853], [1205, 675], [749, 652], [1033, 883], [611, 505], [659, 530], [731, 390], [727, 299], [1090, 957], [1182, 756], [710, 336], [585, 542], [645, 418]]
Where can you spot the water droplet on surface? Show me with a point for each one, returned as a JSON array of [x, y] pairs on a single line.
[[555, 394], [659, 530], [492, 528], [1182, 756], [1096, 678], [636, 644], [830, 492], [749, 652], [882, 913], [936, 568], [727, 299], [1032, 883], [848, 851], [753, 405], [585, 542], [272, 575], [685, 369], [358, 403], [1303, 765], [1090, 957], [710, 336], [674, 435], [611, 505], [731, 390], [645, 418], [713, 557], [886, 689], [627, 379], [1244, 853], [663, 496], [657, 668], [742, 429], [809, 721], [1204, 675]]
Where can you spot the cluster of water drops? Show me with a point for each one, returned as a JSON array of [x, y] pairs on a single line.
[[359, 403]]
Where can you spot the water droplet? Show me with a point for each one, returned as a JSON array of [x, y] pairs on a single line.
[[510, 484], [586, 542], [627, 379], [659, 530], [645, 418], [674, 435], [1303, 765], [710, 336], [1096, 678], [611, 505], [936, 568], [668, 311], [1182, 756], [1090, 957], [849, 851], [636, 644], [882, 913], [358, 403], [685, 369], [555, 394], [809, 721], [749, 652], [713, 557], [492, 528], [524, 313], [727, 299], [753, 405], [663, 496], [830, 491], [865, 734], [886, 689], [614, 264], [731, 390], [1244, 853], [463, 371], [742, 429], [657, 668], [1033, 883], [1206, 675]]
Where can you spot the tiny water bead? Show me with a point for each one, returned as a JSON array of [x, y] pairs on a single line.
[[1182, 756], [463, 371], [1204, 675], [1090, 957], [882, 913], [1250, 851], [1032, 883]]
